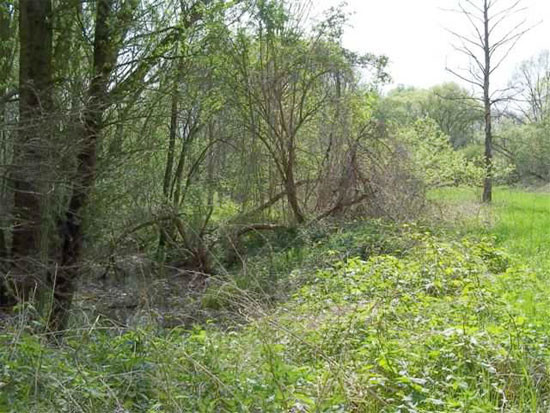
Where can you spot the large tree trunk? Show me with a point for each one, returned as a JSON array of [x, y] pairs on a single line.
[[71, 227], [6, 34], [35, 35], [7, 49]]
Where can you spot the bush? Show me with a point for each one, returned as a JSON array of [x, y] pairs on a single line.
[[419, 328]]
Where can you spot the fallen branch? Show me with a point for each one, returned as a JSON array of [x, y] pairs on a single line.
[[145, 224], [269, 203], [259, 227], [339, 206]]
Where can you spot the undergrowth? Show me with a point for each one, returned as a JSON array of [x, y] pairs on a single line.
[[378, 318]]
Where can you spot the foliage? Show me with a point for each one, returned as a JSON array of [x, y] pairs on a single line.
[[452, 107], [246, 166], [434, 160], [530, 149], [420, 330]]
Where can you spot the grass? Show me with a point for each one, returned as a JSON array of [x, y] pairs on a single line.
[[520, 222], [376, 317]]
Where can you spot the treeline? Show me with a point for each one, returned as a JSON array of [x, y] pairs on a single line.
[[174, 128], [521, 120]]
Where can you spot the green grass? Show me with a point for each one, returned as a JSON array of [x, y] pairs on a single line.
[[523, 225], [519, 221]]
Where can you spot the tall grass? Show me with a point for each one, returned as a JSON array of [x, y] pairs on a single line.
[[520, 222]]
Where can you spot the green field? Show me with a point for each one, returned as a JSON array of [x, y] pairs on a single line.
[[520, 222]]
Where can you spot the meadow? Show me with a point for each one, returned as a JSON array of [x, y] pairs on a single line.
[[519, 221]]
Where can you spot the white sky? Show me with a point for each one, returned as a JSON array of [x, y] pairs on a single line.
[[412, 33]]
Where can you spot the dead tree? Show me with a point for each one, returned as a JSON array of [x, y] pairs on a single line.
[[496, 27]]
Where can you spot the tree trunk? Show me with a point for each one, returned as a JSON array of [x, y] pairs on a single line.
[[488, 181], [291, 190], [35, 36], [71, 227], [7, 42], [169, 169]]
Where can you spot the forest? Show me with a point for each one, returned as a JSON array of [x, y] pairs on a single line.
[[216, 206]]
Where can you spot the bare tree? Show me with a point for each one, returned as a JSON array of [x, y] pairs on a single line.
[[532, 79], [496, 28]]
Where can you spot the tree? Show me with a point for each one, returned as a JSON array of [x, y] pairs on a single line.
[[486, 47], [523, 137], [71, 225], [8, 51], [433, 158], [35, 101], [194, 99], [277, 80], [285, 78], [457, 114], [532, 80], [452, 107], [528, 147], [41, 259]]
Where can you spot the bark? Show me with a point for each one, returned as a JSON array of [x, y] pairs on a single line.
[[71, 228], [168, 172], [7, 50], [488, 181], [171, 144], [35, 73], [291, 189], [292, 197], [3, 251], [7, 33]]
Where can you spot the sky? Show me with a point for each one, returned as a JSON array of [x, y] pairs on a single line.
[[413, 34]]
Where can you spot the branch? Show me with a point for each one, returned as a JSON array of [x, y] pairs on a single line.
[[145, 224], [269, 203], [339, 206], [503, 151], [472, 82], [259, 227], [145, 65]]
